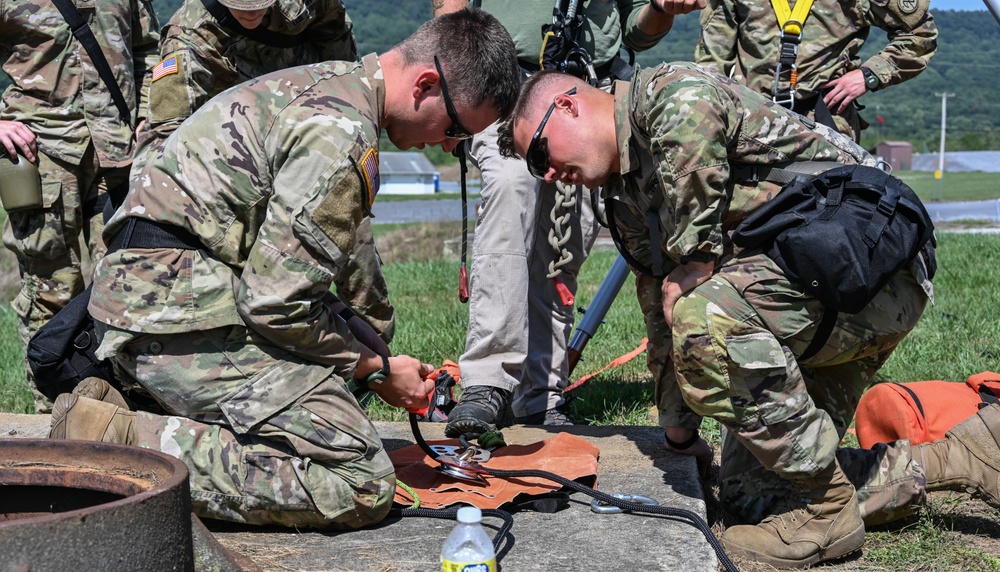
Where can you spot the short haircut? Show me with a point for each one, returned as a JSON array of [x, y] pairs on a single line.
[[535, 87], [477, 57]]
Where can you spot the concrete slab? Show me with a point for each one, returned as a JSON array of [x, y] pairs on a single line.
[[633, 461]]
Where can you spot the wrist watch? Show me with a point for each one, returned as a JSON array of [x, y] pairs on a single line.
[[378, 376], [872, 82]]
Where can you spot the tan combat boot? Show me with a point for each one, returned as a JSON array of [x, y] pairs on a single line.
[[101, 390], [76, 417], [967, 459], [824, 526]]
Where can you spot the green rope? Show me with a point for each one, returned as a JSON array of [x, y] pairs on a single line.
[[413, 493], [492, 440]]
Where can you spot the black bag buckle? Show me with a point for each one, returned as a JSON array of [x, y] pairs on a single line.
[[82, 341]]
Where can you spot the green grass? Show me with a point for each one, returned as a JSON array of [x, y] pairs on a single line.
[[974, 186], [473, 194]]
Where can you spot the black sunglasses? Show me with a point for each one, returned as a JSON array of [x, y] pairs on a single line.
[[456, 131], [537, 156]]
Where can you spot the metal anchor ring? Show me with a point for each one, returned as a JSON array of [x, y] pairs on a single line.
[[604, 508]]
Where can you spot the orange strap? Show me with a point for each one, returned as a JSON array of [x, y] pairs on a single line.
[[617, 362]]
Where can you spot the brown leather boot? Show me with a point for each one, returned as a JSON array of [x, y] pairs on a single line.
[[967, 459], [76, 417], [101, 390], [823, 526]]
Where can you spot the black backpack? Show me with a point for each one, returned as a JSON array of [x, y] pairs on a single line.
[[841, 234]]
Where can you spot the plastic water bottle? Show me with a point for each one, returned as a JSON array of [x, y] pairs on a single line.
[[468, 548]]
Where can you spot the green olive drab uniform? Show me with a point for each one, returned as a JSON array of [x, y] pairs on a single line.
[[737, 338], [235, 338], [85, 146], [741, 39]]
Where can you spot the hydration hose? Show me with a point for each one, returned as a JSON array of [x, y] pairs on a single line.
[[604, 498]]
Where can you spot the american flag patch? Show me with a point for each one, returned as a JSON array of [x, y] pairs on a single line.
[[369, 166], [164, 68]]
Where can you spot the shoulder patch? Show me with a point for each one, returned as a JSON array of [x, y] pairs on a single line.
[[907, 6], [167, 67], [369, 167]]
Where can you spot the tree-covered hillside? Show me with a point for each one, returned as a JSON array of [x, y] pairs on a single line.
[[967, 65]]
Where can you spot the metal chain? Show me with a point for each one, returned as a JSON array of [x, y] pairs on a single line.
[[561, 232]]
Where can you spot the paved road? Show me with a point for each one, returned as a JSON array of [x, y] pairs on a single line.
[[451, 210]]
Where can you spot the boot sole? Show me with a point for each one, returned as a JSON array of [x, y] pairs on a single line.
[[459, 427], [841, 548]]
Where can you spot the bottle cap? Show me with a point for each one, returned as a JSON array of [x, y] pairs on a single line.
[[469, 515]]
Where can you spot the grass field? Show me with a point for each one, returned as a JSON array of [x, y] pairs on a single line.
[[974, 186], [958, 336]]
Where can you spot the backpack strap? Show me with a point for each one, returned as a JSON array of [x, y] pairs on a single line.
[[85, 36], [913, 396]]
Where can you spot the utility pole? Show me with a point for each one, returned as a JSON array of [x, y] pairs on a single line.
[[939, 174]]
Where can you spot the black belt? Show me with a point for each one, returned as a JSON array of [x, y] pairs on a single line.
[[145, 233]]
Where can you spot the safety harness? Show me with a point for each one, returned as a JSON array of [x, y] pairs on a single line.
[[790, 22]]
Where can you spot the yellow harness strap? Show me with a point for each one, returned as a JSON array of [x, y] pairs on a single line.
[[791, 20]]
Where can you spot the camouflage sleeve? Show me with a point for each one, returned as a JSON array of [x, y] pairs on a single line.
[[632, 36], [912, 39], [145, 50], [688, 120], [297, 255], [202, 72], [716, 48], [361, 285], [333, 31]]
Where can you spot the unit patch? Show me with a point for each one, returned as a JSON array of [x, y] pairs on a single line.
[[369, 167], [908, 6], [165, 68]]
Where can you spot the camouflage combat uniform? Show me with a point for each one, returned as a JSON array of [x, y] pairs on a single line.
[[85, 147], [741, 39], [736, 337], [236, 339], [209, 58], [519, 326]]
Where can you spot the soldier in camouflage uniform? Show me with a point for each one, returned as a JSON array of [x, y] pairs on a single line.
[[58, 113], [201, 56], [669, 148], [742, 39], [234, 337]]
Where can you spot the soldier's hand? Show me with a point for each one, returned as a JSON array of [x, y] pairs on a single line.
[[678, 7], [844, 90], [680, 281], [17, 138], [406, 386]]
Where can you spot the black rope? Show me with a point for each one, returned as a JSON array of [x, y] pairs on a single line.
[[452, 513], [463, 275], [679, 513]]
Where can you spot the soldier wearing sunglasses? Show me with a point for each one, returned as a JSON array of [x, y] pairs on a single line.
[[677, 154], [520, 317], [235, 335]]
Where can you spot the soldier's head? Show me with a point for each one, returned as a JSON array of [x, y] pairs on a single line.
[[249, 13], [564, 129], [452, 78]]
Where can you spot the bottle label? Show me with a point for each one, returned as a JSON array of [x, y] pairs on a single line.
[[488, 566]]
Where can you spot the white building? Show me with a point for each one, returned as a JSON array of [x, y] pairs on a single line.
[[406, 174]]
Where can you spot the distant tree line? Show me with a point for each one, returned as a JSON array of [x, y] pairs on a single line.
[[967, 65]]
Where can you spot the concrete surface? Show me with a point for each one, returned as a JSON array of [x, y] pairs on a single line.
[[633, 461]]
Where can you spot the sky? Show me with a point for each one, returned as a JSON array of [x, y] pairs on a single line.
[[958, 5]]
